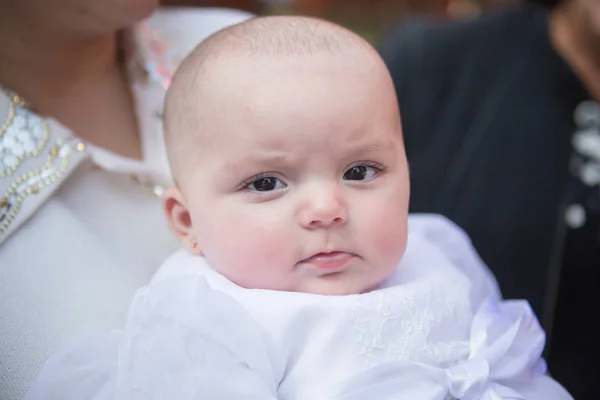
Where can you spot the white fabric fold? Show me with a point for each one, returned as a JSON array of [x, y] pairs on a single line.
[[182, 346], [178, 347]]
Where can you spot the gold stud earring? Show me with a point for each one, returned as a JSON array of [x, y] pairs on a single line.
[[193, 243]]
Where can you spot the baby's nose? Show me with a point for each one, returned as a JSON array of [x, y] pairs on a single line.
[[324, 209]]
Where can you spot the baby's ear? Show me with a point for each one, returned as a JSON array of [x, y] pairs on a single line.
[[177, 214]]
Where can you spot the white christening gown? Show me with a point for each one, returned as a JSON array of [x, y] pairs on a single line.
[[436, 330]]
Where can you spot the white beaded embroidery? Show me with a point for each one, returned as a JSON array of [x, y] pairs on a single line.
[[585, 165], [24, 134], [33, 181], [586, 142]]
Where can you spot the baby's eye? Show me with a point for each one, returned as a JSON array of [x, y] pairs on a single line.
[[266, 184], [361, 173]]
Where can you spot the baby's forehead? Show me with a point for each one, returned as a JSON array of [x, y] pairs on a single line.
[[286, 102], [328, 138], [268, 76]]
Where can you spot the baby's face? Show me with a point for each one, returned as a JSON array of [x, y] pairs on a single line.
[[303, 183]]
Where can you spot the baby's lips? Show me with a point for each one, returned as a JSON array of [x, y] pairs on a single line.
[[334, 260]]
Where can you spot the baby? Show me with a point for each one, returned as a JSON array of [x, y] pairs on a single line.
[[303, 277]]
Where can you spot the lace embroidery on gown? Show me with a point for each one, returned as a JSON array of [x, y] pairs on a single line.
[[419, 325]]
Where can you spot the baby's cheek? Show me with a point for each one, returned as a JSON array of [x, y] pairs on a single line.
[[388, 231], [253, 253]]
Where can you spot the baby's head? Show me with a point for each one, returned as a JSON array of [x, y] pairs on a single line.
[[284, 138]]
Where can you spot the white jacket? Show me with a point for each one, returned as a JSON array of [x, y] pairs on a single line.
[[77, 235]]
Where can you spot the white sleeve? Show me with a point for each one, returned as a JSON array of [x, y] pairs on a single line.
[[457, 246], [83, 369], [186, 341], [182, 341]]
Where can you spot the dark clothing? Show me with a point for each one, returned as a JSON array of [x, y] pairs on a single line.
[[487, 110]]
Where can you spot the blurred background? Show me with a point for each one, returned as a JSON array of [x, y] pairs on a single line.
[[370, 18]]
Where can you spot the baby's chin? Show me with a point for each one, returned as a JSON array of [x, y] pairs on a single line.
[[333, 284], [338, 285]]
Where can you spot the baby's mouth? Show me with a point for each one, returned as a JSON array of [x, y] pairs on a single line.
[[330, 262]]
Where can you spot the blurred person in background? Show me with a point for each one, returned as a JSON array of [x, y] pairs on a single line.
[[502, 131], [82, 163], [371, 18]]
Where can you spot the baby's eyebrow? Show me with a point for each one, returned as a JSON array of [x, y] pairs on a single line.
[[370, 148], [256, 159], [274, 159], [363, 150]]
